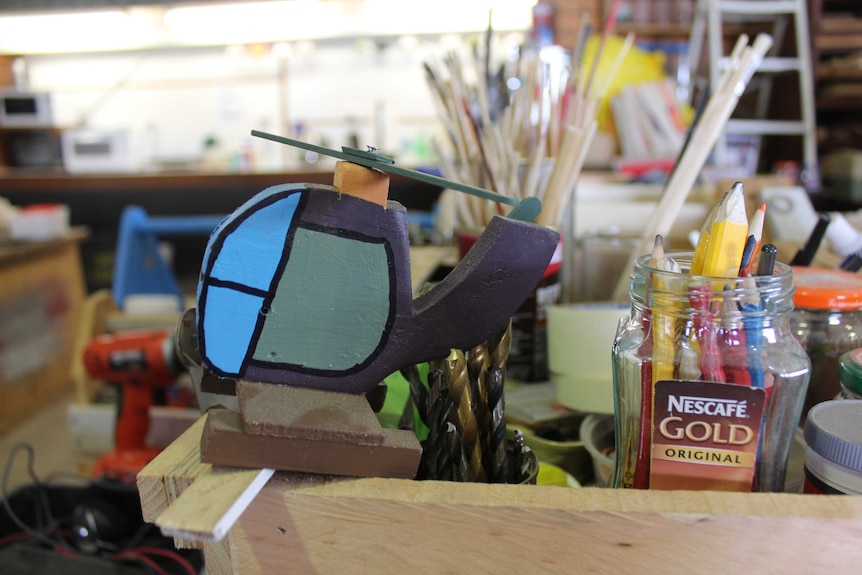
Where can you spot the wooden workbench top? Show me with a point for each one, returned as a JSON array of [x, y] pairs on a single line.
[[38, 180], [12, 250], [322, 524]]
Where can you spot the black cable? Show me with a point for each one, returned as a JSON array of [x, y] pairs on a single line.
[[42, 533], [48, 532]]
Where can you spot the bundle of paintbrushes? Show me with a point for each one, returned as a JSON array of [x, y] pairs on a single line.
[[462, 406], [528, 141], [708, 376]]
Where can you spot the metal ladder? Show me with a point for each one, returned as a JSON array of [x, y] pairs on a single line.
[[709, 16]]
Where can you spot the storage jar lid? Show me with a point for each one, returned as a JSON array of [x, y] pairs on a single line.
[[819, 288], [834, 430], [850, 370]]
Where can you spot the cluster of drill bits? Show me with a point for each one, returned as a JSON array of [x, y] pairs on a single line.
[[464, 410]]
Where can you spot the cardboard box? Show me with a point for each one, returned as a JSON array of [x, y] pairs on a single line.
[[41, 294]]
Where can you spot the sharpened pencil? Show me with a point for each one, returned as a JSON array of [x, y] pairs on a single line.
[[727, 235], [755, 228]]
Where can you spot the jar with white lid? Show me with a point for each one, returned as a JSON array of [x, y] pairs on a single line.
[[833, 456]]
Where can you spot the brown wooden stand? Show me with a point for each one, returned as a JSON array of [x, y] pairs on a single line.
[[319, 524], [297, 429]]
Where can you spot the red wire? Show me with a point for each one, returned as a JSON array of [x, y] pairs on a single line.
[[64, 551], [13, 537], [169, 554], [143, 559]]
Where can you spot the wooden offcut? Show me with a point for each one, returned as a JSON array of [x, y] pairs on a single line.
[[210, 507], [312, 414], [225, 443], [362, 182]]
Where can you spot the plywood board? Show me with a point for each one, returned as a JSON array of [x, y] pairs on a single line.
[[390, 526], [323, 524]]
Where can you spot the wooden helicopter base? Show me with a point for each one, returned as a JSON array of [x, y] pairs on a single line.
[[308, 430]]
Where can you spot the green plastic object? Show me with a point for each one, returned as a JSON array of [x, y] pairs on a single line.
[[526, 210], [850, 372]]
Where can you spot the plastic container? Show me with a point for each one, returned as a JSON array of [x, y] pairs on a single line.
[[708, 381], [39, 222], [850, 374], [827, 322], [597, 431], [833, 456]]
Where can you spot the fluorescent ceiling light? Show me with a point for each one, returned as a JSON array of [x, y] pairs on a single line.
[[253, 22], [308, 19], [67, 32]]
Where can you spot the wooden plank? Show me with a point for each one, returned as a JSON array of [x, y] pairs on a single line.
[[225, 443], [324, 524], [838, 43], [162, 481], [842, 23], [211, 505], [396, 526], [217, 558]]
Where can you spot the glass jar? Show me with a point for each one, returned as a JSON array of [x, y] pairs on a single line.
[[833, 454], [827, 322], [708, 381]]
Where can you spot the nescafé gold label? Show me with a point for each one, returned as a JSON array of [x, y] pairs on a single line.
[[705, 435]]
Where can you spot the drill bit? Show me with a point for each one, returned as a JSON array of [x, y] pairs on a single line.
[[418, 393], [458, 466], [455, 366], [517, 457], [477, 366], [435, 444], [496, 462], [529, 467], [498, 347]]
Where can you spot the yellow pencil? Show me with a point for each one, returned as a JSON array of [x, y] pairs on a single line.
[[727, 236], [664, 319], [703, 239]]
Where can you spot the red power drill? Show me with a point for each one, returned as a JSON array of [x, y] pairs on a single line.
[[137, 363]]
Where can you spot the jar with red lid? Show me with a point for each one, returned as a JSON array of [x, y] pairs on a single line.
[[827, 321]]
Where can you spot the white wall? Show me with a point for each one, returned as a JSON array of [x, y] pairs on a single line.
[[171, 100]]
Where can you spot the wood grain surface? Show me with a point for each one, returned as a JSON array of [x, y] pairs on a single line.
[[305, 523]]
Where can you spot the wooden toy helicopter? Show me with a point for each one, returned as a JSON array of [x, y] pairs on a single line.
[[304, 306]]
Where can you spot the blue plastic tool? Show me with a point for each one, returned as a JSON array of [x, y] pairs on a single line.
[[138, 266]]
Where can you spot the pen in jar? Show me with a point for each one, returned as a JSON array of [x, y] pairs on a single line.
[[766, 263]]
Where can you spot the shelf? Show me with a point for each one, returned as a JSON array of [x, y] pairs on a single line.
[[836, 31], [646, 29], [838, 103], [683, 31], [838, 44], [828, 73]]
